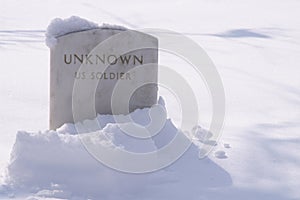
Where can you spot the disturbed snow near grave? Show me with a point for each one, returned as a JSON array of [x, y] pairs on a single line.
[[59, 27], [55, 164]]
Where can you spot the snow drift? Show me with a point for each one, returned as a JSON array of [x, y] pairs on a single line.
[[56, 164]]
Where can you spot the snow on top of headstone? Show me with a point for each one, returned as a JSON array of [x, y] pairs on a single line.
[[112, 26], [59, 27]]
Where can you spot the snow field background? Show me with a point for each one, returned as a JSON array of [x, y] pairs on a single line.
[[255, 46]]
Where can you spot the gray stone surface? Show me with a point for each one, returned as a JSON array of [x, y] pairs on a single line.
[[74, 49]]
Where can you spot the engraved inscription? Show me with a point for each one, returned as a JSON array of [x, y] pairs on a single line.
[[92, 59]]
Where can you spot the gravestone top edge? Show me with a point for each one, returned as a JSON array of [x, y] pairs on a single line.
[[113, 30], [91, 29]]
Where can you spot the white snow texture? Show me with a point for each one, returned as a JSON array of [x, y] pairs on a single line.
[[59, 27], [55, 163], [255, 47]]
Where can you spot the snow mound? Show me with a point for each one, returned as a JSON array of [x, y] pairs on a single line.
[[56, 164], [53, 165], [59, 27]]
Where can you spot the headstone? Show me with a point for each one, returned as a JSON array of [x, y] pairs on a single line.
[[74, 49]]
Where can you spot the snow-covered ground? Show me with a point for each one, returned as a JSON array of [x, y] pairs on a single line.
[[255, 46]]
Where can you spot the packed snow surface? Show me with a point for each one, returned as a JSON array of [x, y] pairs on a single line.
[[55, 164]]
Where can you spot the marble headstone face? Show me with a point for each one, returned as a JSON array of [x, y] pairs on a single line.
[[74, 50]]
